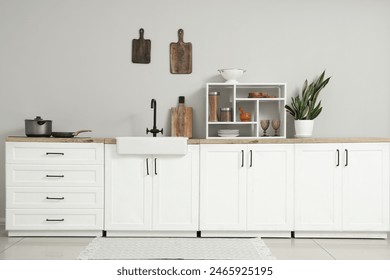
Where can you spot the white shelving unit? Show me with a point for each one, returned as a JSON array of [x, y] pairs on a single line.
[[236, 96]]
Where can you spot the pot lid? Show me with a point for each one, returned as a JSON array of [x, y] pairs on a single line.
[[39, 119]]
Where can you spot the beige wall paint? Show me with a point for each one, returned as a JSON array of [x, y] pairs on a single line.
[[70, 61]]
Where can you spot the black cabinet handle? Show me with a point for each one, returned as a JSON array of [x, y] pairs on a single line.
[[55, 220], [147, 166], [155, 166], [250, 159], [242, 158], [346, 157], [57, 198], [55, 176], [338, 157], [60, 154]]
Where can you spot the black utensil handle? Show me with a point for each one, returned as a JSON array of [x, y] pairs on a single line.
[[338, 157], [55, 176], [55, 220], [56, 198], [49, 153]]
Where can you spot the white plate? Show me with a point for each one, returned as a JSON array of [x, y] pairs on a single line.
[[230, 131], [228, 135]]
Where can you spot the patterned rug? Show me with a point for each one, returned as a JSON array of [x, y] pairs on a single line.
[[115, 248]]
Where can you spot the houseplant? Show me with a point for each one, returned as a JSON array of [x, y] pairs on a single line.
[[306, 107]]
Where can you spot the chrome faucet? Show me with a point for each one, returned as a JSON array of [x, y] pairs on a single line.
[[154, 130]]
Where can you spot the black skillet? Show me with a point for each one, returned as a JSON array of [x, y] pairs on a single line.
[[68, 134]]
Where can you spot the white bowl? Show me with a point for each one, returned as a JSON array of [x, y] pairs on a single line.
[[231, 75]]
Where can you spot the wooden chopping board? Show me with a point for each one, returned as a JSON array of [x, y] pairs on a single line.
[[141, 49], [181, 121], [181, 56]]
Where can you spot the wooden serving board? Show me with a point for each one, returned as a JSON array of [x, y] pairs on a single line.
[[141, 49], [181, 121], [181, 56]]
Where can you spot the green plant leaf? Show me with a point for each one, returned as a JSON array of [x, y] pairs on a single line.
[[305, 106]]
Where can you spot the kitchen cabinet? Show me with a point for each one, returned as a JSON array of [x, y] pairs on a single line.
[[246, 190], [222, 188], [342, 189], [54, 189], [236, 96], [270, 187], [150, 195]]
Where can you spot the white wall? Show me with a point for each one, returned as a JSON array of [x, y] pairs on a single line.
[[70, 61]]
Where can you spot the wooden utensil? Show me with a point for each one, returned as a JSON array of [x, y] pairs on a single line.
[[181, 56], [141, 49], [181, 120]]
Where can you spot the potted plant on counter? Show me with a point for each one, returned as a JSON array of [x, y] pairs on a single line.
[[306, 107]]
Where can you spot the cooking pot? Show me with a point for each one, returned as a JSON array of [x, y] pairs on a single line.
[[38, 127]]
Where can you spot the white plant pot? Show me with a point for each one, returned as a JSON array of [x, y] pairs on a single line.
[[303, 128]]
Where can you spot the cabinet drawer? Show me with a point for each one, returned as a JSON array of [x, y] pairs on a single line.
[[62, 219], [61, 197], [54, 153], [54, 175]]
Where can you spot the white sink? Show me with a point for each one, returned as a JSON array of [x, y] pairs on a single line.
[[151, 145]]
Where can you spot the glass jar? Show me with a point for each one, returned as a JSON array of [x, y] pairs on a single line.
[[213, 106], [226, 114]]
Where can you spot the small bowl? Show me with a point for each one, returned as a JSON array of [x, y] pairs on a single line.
[[245, 117], [231, 75]]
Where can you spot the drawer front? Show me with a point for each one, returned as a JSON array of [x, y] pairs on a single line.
[[54, 219], [61, 198], [54, 153], [18, 175]]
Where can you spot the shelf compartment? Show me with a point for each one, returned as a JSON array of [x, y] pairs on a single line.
[[250, 107], [248, 130], [277, 90]]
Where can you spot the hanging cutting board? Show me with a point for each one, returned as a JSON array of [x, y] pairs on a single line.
[[181, 56], [181, 120], [141, 49]]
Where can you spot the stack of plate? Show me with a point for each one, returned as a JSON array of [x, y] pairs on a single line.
[[228, 132]]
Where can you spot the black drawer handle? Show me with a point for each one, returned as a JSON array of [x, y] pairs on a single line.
[[55, 220], [55, 176], [60, 154], [57, 198]]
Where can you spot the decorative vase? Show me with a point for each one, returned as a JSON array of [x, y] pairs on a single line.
[[303, 128]]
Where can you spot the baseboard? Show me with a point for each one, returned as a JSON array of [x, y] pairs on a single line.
[[340, 234]]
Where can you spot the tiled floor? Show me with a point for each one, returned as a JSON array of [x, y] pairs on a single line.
[[46, 248]]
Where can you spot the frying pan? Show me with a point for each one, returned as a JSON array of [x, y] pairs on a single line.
[[68, 134]]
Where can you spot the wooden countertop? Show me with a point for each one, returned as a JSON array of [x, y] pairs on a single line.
[[54, 140], [212, 141]]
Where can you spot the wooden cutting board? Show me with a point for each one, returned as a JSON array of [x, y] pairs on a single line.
[[181, 121], [181, 56], [141, 49]]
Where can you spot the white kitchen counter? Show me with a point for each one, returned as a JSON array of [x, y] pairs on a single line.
[[213, 141]]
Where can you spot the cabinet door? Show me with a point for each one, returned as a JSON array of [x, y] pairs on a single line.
[[318, 170], [270, 187], [222, 187], [128, 191], [366, 187], [176, 191]]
